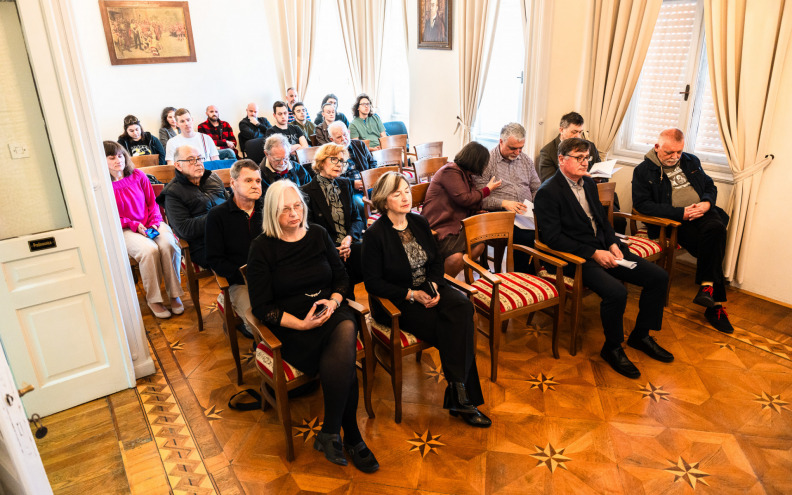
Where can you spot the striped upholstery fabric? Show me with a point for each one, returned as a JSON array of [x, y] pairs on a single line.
[[568, 281], [196, 268], [409, 174], [358, 344], [517, 290], [221, 303], [643, 246], [643, 234], [384, 333], [265, 362]]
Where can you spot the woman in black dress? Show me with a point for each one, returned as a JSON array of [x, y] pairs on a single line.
[[294, 273], [331, 206], [401, 263]]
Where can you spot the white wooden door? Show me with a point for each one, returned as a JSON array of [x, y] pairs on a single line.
[[57, 319]]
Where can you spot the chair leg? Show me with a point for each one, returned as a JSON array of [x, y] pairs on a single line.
[[232, 340], [530, 318], [396, 381], [284, 414], [368, 383], [504, 326], [196, 300], [559, 312], [576, 304], [494, 341], [418, 356]]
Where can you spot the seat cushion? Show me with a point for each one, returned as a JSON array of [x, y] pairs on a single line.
[[221, 303], [265, 362], [568, 281], [196, 267], [384, 334], [517, 290], [359, 344], [643, 246]]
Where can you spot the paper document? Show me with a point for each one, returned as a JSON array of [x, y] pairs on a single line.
[[626, 264], [604, 169], [525, 220]]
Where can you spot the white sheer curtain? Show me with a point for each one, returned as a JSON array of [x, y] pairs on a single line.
[[476, 31], [363, 27], [746, 48], [622, 30], [292, 29]]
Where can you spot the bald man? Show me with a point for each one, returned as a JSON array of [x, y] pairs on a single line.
[[221, 133], [671, 184], [252, 126]]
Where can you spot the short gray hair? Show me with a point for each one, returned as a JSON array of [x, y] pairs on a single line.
[[182, 150], [513, 129], [238, 165], [276, 141], [335, 125], [273, 205]]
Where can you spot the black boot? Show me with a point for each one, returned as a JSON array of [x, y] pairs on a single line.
[[456, 398]]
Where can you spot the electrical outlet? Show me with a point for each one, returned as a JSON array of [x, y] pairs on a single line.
[[18, 150]]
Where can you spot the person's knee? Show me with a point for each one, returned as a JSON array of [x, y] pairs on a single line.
[[149, 251]]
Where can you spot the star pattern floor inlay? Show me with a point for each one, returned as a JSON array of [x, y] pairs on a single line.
[[550, 457], [687, 472], [655, 393], [308, 429], [425, 443], [771, 402], [542, 382]]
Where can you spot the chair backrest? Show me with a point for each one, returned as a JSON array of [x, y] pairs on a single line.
[[395, 127], [426, 168], [372, 175], [367, 142], [388, 157], [429, 150], [157, 190], [399, 140], [225, 176], [418, 192], [163, 173], [145, 160], [313, 140], [498, 226], [254, 149], [306, 155], [243, 269], [607, 191]]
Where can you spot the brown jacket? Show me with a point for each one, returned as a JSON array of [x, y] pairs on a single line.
[[451, 197]]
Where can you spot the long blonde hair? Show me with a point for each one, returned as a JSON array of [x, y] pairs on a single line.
[[273, 205]]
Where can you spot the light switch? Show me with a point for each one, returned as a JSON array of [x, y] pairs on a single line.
[[18, 150]]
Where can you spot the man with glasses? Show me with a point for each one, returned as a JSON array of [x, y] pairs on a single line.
[[277, 165], [189, 197], [519, 182], [571, 219], [189, 137], [671, 184]]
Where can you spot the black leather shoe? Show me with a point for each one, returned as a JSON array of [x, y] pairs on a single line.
[[362, 457], [477, 418], [456, 399], [649, 346], [330, 444], [620, 362], [718, 318], [704, 296]]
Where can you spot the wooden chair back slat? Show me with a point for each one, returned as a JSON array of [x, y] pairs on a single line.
[[145, 160], [429, 150], [163, 173], [225, 176], [388, 156], [419, 194], [306, 155], [607, 192], [427, 167]]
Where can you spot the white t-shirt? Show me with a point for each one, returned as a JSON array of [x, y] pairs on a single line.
[[201, 142]]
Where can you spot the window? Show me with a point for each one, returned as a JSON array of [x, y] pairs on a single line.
[[501, 101], [674, 88], [394, 97]]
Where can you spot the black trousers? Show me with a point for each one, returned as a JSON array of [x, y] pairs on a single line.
[[354, 266], [522, 261], [607, 283], [448, 327], [705, 238]]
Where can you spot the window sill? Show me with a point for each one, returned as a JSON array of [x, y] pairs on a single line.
[[719, 173]]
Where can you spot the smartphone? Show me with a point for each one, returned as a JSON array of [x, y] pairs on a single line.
[[151, 232], [321, 309], [429, 289]]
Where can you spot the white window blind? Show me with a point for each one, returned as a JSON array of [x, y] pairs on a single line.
[[708, 136]]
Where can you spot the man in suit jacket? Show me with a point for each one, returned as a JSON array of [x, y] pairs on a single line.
[[571, 218]]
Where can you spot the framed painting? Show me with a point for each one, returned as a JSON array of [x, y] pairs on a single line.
[[147, 32], [434, 24]]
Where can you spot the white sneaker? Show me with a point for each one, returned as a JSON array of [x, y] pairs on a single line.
[[161, 314]]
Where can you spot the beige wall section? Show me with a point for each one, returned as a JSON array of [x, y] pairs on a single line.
[[235, 66]]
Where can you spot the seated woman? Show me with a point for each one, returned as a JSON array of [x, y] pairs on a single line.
[[168, 129], [322, 133], [367, 124], [157, 257], [293, 274], [452, 197], [137, 142], [331, 205], [330, 98], [400, 263]]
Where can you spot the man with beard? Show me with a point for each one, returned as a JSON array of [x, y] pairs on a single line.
[[293, 134], [360, 158], [221, 133]]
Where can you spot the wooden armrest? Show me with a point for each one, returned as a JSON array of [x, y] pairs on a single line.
[[410, 153], [269, 339], [542, 256], [183, 244], [221, 281], [483, 273], [662, 222], [391, 309], [467, 289], [568, 257], [368, 202], [357, 307]]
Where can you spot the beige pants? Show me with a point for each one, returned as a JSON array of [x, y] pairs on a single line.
[[240, 301], [158, 259]]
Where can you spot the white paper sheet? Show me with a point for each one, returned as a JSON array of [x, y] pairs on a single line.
[[526, 220]]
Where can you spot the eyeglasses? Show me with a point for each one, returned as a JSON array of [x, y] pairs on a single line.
[[288, 210], [365, 104], [581, 158], [334, 160], [192, 160]]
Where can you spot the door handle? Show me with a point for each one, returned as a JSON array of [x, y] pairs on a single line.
[[27, 388]]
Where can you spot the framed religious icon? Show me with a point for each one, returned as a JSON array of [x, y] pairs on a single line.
[[434, 24], [147, 32]]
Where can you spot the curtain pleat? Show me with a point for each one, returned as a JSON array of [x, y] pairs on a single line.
[[293, 31], [363, 28]]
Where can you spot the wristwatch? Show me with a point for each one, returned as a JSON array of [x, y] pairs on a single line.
[[412, 296]]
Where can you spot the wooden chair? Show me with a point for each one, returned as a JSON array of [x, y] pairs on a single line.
[[280, 377], [427, 167], [194, 273], [230, 321], [163, 173], [313, 140], [399, 141], [369, 178], [429, 150], [141, 161], [367, 142], [503, 296], [306, 156], [418, 192], [225, 176], [398, 343]]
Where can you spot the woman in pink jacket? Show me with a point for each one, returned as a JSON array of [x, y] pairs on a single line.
[[148, 239]]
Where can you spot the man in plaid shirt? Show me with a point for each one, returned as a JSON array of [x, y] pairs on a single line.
[[221, 133]]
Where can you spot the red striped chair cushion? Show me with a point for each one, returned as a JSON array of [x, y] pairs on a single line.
[[265, 362], [384, 334], [221, 303], [643, 246], [359, 344], [409, 174], [517, 290], [642, 233], [196, 267], [568, 281]]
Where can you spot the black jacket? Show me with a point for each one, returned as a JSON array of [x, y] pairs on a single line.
[[651, 190], [563, 225], [229, 233], [547, 165], [386, 269], [319, 211], [296, 174], [248, 131], [360, 158], [154, 145]]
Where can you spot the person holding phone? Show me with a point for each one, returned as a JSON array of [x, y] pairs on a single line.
[[298, 285], [401, 263], [148, 239]]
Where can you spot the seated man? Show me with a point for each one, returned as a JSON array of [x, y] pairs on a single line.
[[360, 158], [293, 134], [671, 184], [189, 137], [516, 170], [331, 98], [188, 197], [572, 219], [252, 126], [291, 100], [302, 120], [328, 117], [572, 126], [366, 124], [221, 133], [277, 165], [230, 227]]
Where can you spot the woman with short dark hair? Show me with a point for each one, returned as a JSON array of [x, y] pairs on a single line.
[[168, 127], [139, 143]]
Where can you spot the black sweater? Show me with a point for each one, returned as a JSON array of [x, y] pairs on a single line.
[[147, 145], [229, 232]]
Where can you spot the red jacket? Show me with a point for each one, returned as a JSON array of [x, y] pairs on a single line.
[[451, 197]]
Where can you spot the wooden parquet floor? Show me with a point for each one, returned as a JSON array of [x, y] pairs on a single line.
[[716, 420]]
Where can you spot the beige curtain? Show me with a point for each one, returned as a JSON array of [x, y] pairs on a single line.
[[746, 48], [363, 28], [292, 30], [476, 31], [621, 32]]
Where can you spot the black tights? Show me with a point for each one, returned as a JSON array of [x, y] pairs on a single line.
[[339, 383]]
